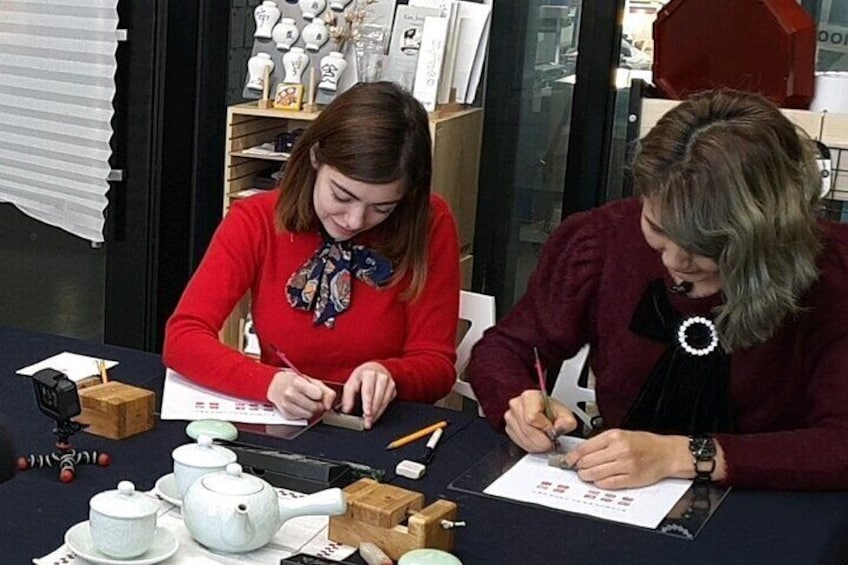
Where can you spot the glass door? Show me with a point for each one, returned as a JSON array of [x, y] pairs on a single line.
[[548, 97]]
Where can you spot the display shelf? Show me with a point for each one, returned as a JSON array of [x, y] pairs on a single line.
[[264, 151]]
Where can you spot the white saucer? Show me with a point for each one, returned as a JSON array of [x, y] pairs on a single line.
[[78, 539], [167, 488]]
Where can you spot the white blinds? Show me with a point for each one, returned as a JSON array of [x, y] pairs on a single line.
[[57, 69]]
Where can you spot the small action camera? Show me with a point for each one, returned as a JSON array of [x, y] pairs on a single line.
[[56, 394]]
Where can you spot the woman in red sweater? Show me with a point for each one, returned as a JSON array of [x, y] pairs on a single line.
[[715, 308], [352, 268]]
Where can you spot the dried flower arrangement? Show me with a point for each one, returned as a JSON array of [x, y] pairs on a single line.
[[344, 27]]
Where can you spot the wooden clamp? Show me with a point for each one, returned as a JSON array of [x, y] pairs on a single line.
[[375, 512]]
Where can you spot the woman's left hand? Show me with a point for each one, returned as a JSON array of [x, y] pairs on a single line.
[[377, 387], [627, 459]]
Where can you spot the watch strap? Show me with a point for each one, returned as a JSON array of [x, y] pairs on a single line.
[[703, 452]]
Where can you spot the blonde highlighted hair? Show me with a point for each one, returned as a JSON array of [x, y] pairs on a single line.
[[735, 181]]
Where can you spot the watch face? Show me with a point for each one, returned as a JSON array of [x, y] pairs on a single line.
[[703, 448]]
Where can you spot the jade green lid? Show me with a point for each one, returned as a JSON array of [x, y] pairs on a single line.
[[215, 429], [427, 556]]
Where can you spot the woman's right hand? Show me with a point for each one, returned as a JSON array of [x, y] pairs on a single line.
[[299, 397], [529, 428]]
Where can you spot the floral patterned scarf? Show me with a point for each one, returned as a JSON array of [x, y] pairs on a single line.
[[323, 283]]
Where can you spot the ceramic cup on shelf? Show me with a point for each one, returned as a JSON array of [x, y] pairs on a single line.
[[122, 522], [310, 9], [332, 66], [265, 15], [316, 34], [285, 34], [256, 70], [339, 5], [294, 63]]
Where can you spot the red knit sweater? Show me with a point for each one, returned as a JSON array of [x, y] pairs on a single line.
[[789, 396], [415, 341]]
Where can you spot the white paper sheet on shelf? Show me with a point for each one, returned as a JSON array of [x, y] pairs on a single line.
[[183, 399], [533, 480]]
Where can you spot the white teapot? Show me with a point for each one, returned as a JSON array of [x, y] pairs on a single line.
[[235, 512]]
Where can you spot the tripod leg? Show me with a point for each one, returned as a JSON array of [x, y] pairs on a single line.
[[67, 465], [91, 457], [34, 461]]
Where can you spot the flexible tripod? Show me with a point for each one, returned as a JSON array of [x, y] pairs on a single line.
[[65, 457]]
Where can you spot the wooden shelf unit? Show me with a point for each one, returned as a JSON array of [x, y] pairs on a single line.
[[456, 135]]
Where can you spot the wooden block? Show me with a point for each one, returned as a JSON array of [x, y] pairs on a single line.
[[426, 529], [370, 502], [116, 410], [383, 505]]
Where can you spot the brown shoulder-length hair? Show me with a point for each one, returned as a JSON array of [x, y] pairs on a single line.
[[375, 133], [737, 182]]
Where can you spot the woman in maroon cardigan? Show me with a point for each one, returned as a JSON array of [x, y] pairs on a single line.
[[716, 308]]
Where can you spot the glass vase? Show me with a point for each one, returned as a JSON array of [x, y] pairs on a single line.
[[369, 50]]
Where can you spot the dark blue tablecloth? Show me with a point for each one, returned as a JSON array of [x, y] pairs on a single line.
[[748, 527]]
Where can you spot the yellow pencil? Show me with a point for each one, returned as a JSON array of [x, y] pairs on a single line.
[[400, 442]]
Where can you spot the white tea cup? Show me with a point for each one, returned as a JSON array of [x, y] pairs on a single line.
[[122, 522]]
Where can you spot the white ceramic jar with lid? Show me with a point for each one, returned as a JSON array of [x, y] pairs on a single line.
[[194, 460], [122, 522]]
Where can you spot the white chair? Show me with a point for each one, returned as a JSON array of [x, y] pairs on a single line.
[[568, 390], [479, 311]]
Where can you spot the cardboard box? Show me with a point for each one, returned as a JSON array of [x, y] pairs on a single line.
[[116, 410]]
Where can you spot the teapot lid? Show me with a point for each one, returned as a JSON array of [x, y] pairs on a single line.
[[203, 453], [125, 502], [232, 481]]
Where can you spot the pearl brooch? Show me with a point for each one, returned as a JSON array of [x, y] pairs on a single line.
[[690, 349]]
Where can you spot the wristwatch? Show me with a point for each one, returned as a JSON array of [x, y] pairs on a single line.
[[703, 452]]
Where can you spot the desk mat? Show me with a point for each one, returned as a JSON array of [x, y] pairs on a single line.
[[685, 520]]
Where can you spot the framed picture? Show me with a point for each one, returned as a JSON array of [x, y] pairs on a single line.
[[288, 96]]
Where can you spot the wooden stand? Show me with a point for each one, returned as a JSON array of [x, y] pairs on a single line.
[[375, 512], [265, 102], [116, 410]]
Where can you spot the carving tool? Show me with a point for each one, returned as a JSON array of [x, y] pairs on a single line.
[[330, 417], [546, 399]]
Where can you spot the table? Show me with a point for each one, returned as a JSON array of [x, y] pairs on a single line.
[[749, 526]]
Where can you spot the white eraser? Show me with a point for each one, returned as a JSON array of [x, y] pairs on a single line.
[[410, 469]]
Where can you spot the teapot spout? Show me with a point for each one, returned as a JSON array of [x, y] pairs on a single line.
[[328, 502], [237, 528]]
